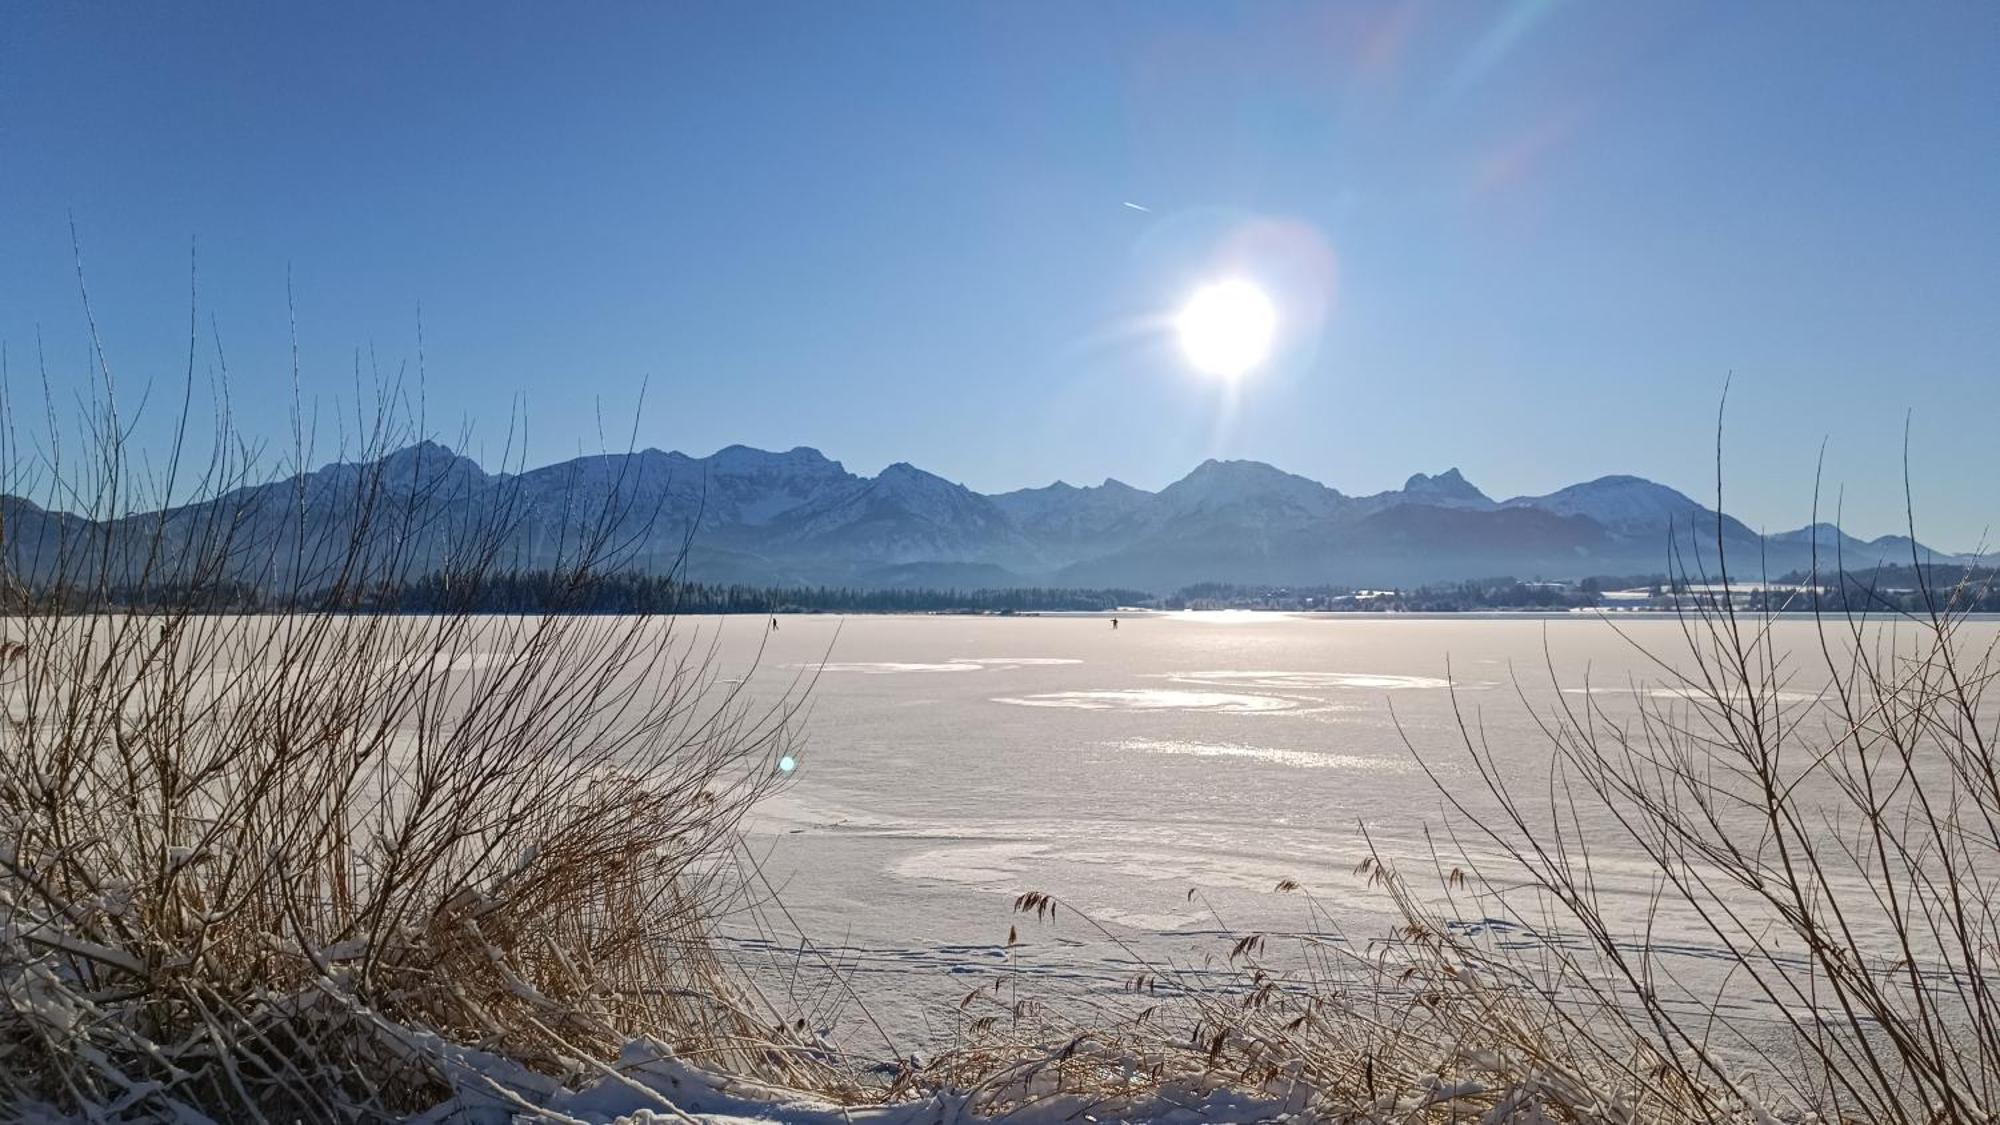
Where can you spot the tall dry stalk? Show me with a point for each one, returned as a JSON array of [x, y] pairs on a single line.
[[1826, 824], [305, 863]]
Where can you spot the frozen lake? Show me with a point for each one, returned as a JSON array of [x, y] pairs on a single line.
[[952, 763]]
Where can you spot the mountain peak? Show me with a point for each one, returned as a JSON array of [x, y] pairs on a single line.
[[1421, 480], [1238, 470], [1221, 484], [428, 456], [745, 456], [905, 477], [1621, 502], [1448, 487]]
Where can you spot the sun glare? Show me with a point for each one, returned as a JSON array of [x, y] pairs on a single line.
[[1226, 328]]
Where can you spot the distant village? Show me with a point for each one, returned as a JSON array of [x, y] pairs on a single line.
[[1963, 589]]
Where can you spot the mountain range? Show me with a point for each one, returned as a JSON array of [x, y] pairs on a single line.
[[797, 517]]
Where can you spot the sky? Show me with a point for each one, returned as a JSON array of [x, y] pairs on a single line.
[[1529, 239]]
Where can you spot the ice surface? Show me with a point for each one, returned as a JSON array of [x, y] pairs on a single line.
[[1140, 699], [952, 763], [1271, 755], [1364, 681]]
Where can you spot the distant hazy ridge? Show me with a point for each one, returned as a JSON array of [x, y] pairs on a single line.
[[797, 517]]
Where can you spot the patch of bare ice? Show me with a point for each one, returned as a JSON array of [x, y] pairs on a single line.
[[990, 866]]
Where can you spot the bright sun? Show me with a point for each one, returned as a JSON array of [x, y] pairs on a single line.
[[1226, 328]]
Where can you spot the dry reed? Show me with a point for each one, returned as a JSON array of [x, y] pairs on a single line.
[[315, 864]]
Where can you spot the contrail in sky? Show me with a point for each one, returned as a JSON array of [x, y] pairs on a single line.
[[1136, 207]]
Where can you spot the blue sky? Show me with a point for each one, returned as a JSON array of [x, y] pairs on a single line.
[[1527, 239]]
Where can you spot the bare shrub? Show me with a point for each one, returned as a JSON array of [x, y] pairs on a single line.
[[265, 855], [1823, 822]]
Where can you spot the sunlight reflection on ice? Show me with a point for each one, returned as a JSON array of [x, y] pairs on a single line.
[[956, 664], [1373, 681], [887, 667], [1296, 759], [1141, 699]]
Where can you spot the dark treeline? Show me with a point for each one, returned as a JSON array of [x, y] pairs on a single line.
[[544, 591], [1967, 589], [1500, 593], [539, 591]]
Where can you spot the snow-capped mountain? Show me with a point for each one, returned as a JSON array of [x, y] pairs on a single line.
[[906, 515], [1623, 504], [1839, 549], [797, 516], [1072, 523], [754, 488], [1245, 491]]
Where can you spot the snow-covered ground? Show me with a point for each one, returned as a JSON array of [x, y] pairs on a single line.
[[648, 1085]]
